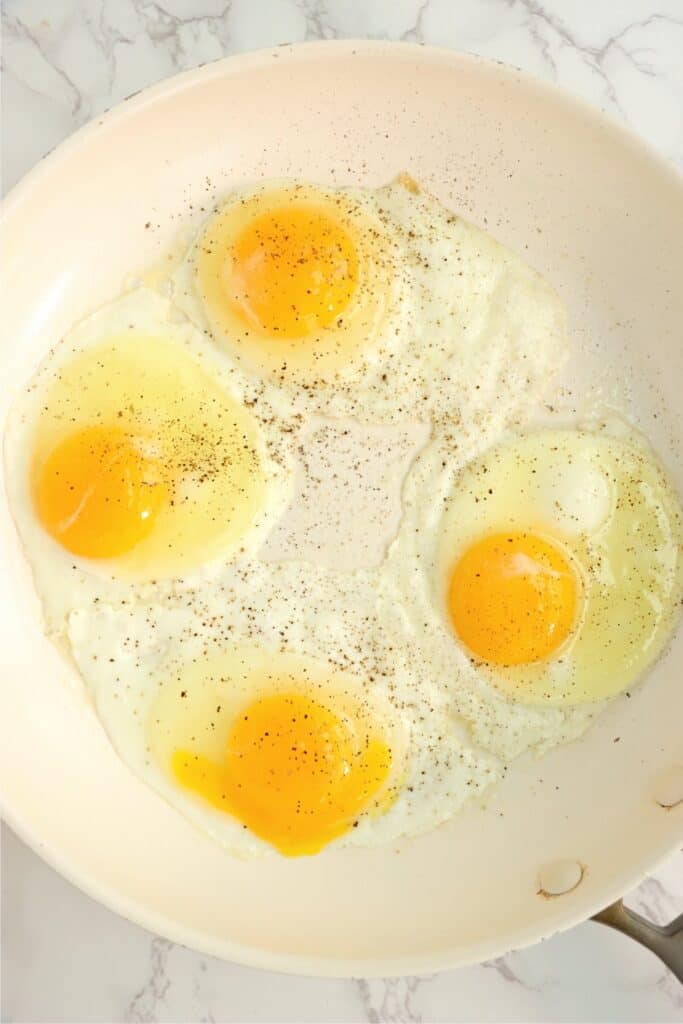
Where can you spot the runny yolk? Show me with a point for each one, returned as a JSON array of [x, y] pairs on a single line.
[[294, 772], [512, 598], [97, 494], [293, 272]]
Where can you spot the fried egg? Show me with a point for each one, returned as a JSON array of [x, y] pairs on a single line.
[[131, 458], [296, 279], [380, 304], [271, 708], [544, 578]]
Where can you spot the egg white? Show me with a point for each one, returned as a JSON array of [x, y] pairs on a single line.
[[573, 496]]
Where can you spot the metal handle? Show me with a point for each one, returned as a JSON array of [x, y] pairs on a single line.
[[665, 941]]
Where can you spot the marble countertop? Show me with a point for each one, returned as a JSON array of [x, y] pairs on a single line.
[[64, 957]]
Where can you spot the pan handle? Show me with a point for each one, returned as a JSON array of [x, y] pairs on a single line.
[[665, 941]]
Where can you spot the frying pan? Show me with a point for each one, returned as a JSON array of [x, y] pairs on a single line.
[[597, 213]]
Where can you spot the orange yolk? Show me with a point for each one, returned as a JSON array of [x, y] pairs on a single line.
[[512, 598], [97, 494], [294, 772], [293, 272]]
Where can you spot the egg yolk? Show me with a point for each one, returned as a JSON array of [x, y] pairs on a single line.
[[294, 772], [512, 598], [97, 494], [293, 272]]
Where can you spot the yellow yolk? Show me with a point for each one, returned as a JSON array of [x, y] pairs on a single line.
[[294, 772], [293, 272], [513, 598], [97, 494]]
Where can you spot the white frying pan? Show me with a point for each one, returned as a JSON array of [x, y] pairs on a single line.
[[596, 212]]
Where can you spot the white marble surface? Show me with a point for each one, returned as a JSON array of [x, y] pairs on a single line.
[[65, 958]]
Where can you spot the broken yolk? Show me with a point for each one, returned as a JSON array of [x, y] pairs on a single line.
[[513, 598], [97, 494], [293, 272], [294, 772]]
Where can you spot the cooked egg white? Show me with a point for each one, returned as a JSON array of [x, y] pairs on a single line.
[[279, 705], [377, 304], [132, 457]]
